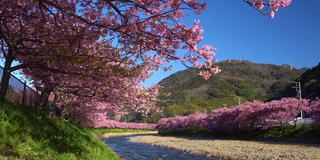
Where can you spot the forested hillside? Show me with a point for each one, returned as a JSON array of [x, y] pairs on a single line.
[[239, 82], [310, 84]]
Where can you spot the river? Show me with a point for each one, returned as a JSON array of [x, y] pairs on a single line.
[[128, 150]]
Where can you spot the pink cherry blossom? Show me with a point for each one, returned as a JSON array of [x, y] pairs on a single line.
[[274, 4], [205, 74], [268, 7], [271, 14]]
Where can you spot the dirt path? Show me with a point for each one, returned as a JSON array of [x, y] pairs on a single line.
[[235, 149]]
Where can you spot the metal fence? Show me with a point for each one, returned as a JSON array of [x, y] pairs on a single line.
[[19, 92]]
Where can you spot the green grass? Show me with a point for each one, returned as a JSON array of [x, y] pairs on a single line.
[[300, 131], [25, 134]]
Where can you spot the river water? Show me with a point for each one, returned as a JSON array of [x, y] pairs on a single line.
[[128, 150]]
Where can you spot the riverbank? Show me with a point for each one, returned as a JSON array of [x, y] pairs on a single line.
[[115, 134], [235, 149]]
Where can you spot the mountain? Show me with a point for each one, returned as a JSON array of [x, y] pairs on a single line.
[[239, 82], [310, 84], [310, 81]]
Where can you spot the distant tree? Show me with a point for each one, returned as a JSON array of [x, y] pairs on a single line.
[[245, 117]]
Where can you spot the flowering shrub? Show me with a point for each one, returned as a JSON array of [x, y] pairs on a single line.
[[244, 117]]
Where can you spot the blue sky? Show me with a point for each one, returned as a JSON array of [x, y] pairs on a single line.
[[240, 32]]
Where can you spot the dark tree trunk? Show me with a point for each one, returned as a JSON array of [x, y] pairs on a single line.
[[43, 103], [5, 79]]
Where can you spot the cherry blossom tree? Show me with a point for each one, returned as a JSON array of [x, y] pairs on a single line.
[[41, 32], [98, 78], [315, 111], [90, 52], [245, 117], [35, 37]]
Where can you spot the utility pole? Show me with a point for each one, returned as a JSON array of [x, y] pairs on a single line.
[[297, 86]]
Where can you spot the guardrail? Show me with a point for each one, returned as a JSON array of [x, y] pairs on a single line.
[[19, 92]]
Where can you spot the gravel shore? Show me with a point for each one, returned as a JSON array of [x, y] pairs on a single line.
[[235, 149]]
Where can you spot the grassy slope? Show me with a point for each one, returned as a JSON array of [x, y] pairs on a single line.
[[24, 134]]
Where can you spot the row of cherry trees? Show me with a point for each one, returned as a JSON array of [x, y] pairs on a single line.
[[244, 117], [92, 55], [116, 124]]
